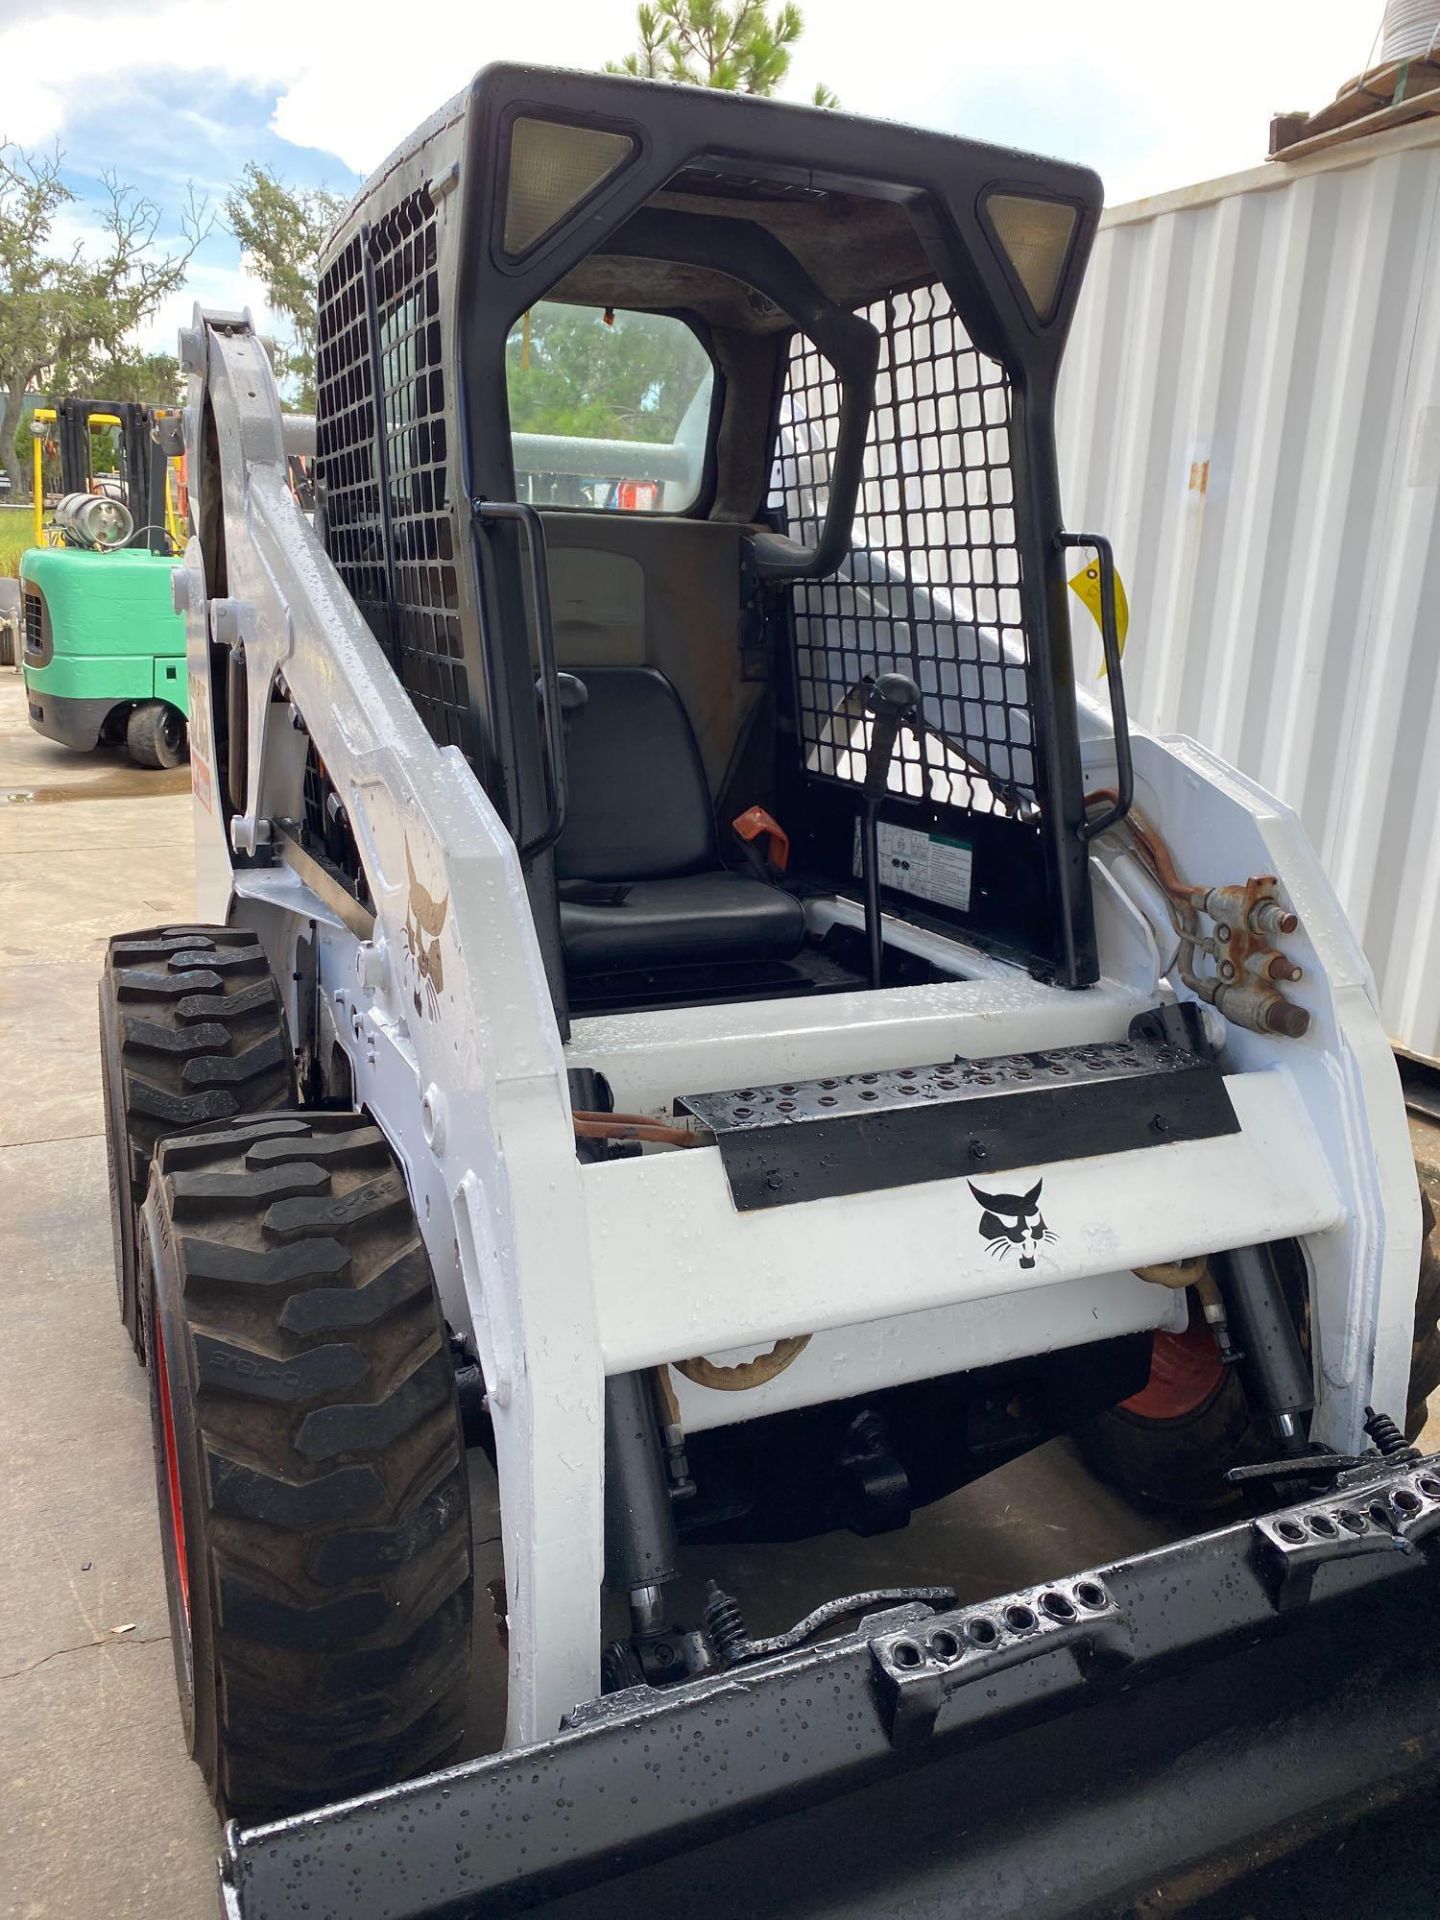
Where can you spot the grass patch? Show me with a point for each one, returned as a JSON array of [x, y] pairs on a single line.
[[17, 532]]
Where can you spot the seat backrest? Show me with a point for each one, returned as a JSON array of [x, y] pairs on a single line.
[[646, 590], [639, 808]]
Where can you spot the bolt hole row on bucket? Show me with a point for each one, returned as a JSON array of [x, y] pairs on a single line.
[[983, 1631], [1329, 1525]]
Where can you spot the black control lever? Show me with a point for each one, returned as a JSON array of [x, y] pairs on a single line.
[[891, 700]]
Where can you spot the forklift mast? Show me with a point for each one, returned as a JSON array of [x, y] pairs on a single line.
[[142, 459]]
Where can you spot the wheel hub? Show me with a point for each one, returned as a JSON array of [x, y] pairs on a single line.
[[1185, 1370]]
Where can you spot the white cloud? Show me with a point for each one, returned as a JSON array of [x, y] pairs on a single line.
[[33, 113], [374, 85], [1155, 95], [74, 50], [230, 289], [1188, 90], [351, 77]]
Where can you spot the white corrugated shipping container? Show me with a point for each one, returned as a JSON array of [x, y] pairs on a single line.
[[1250, 407]]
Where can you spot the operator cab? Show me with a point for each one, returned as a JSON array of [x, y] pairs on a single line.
[[750, 612]]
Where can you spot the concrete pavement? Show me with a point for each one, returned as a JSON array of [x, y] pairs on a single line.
[[101, 1812]]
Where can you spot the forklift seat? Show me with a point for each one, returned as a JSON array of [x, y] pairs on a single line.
[[640, 879]]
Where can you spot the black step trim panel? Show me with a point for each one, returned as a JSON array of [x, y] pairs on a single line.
[[817, 1139]]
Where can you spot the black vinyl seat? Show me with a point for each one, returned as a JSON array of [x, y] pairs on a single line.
[[641, 884]]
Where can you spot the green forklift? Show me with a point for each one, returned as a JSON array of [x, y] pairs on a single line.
[[103, 652]]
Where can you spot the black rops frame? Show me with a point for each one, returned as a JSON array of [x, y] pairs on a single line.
[[944, 183]]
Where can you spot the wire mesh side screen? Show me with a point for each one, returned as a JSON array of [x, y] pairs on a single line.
[[347, 451], [386, 468], [425, 586], [932, 589]]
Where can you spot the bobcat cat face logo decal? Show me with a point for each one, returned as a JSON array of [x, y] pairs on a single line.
[[1012, 1220], [424, 919]]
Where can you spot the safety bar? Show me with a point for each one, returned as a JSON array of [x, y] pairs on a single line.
[[298, 435], [1110, 640], [533, 531], [600, 459]]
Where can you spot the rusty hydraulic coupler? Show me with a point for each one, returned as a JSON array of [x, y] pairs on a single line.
[[1252, 908], [1246, 918], [1262, 1009], [1263, 963]]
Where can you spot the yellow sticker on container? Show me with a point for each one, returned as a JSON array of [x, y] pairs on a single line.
[[1086, 586]]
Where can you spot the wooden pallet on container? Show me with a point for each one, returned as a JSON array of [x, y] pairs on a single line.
[[1385, 97]]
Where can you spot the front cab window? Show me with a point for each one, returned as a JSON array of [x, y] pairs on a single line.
[[609, 408]]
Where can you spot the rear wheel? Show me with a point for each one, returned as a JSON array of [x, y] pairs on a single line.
[[156, 735], [1169, 1445], [192, 1029], [309, 1463]]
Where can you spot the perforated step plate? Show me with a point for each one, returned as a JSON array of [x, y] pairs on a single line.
[[815, 1139]]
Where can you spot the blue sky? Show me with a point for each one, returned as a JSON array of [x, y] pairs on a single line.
[[174, 92], [206, 143]]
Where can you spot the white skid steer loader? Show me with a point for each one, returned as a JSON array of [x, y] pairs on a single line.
[[694, 1003]]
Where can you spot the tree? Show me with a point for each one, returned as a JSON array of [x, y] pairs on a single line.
[[281, 231], [735, 44], [152, 378], [61, 314]]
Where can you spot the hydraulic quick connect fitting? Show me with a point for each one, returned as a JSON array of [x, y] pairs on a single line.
[[1263, 1009]]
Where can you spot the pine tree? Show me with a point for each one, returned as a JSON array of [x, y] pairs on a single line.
[[739, 45]]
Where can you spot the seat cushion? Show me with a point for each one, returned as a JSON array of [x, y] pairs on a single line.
[[639, 807], [699, 919]]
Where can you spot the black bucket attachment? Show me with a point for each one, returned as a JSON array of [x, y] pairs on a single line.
[[1033, 1755]]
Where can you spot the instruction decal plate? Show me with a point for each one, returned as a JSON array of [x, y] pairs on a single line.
[[931, 866]]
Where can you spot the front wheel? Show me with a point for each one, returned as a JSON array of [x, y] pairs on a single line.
[[314, 1506]]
